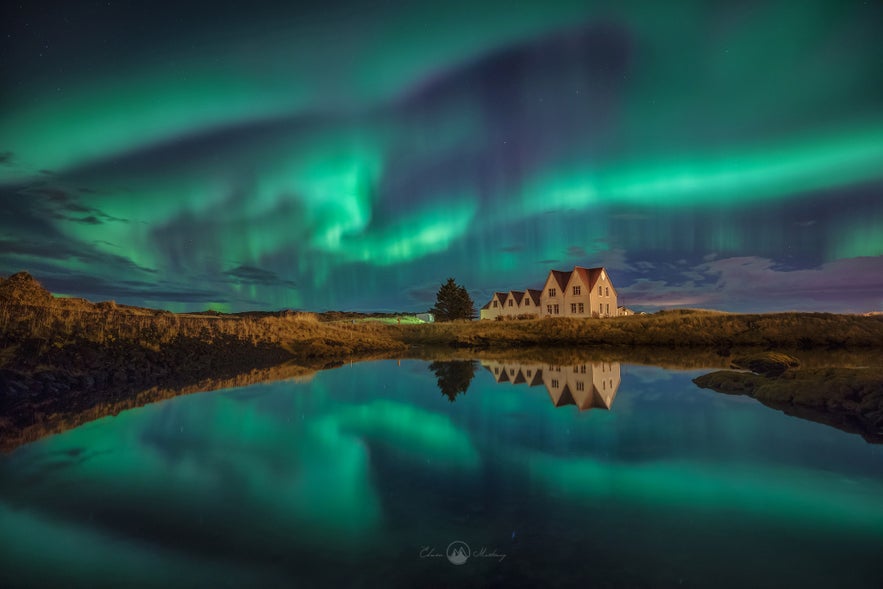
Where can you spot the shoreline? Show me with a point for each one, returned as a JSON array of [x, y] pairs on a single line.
[[60, 356]]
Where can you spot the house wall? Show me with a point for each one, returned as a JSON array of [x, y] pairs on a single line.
[[511, 308], [604, 298], [547, 299], [492, 312], [583, 298]]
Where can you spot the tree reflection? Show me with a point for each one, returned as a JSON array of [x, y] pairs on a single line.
[[453, 376]]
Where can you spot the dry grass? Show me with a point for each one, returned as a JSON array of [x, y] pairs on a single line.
[[709, 329]]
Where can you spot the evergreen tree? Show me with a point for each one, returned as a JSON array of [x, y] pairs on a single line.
[[453, 302]]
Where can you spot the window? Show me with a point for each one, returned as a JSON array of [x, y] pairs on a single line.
[[582, 308], [582, 369], [576, 369], [529, 372], [573, 307], [607, 289], [608, 308], [580, 386], [552, 292], [511, 372], [600, 307], [527, 302], [548, 309], [495, 303], [599, 291], [510, 302], [554, 383], [604, 384], [556, 308], [497, 370], [576, 290]]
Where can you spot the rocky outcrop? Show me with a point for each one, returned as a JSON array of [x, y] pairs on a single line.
[[766, 363], [850, 399]]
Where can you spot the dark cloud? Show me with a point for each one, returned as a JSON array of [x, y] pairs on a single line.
[[576, 251], [252, 275], [6, 158], [134, 291], [57, 203], [16, 253]]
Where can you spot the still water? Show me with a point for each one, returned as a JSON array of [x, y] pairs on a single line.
[[387, 473]]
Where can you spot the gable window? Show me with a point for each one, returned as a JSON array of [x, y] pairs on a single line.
[[580, 386], [573, 307], [576, 290], [510, 302], [554, 383], [529, 372], [608, 291], [600, 292], [527, 302], [552, 292], [582, 308]]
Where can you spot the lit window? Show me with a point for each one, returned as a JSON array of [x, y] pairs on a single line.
[[576, 290]]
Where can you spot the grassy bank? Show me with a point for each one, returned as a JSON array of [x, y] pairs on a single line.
[[670, 329]]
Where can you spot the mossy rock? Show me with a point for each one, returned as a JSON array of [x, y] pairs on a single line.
[[769, 364]]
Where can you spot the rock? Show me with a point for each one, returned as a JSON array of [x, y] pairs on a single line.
[[769, 364]]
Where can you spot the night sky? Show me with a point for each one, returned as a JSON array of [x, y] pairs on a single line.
[[342, 155]]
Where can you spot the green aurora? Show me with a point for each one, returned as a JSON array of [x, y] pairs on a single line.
[[355, 157]]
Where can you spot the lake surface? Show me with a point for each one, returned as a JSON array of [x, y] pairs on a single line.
[[382, 473]]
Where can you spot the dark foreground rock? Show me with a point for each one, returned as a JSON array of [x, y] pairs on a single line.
[[850, 399], [766, 363]]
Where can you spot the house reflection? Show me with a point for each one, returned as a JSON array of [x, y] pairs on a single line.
[[588, 385]]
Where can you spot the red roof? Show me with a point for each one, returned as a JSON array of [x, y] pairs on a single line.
[[561, 277], [589, 276]]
